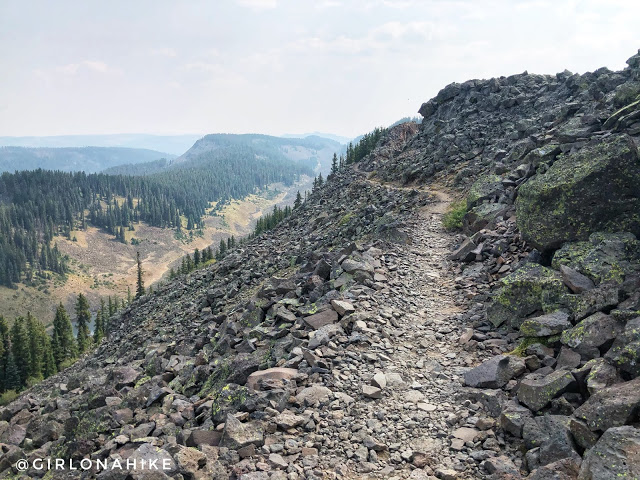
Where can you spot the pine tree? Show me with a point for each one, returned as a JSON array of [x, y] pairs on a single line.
[[4, 351], [112, 308], [129, 297], [20, 349], [63, 344], [334, 164], [48, 362], [11, 374], [298, 202], [98, 330], [83, 318], [36, 334], [196, 257], [320, 180], [140, 283], [172, 274]]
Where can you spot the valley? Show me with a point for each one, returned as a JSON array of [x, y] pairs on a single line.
[[101, 266]]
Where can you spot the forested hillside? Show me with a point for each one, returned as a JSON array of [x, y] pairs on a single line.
[[312, 151], [86, 159], [37, 205]]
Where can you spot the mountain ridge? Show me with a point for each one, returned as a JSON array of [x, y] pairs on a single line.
[[359, 339]]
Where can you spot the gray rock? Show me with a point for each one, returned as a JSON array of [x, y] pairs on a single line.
[[321, 319], [536, 391], [568, 358], [592, 333], [237, 434], [625, 351], [616, 455], [546, 325], [495, 372], [552, 435], [513, 417], [313, 395], [612, 407], [565, 469], [573, 279]]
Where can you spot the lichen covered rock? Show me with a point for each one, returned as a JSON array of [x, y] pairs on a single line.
[[530, 289], [596, 189]]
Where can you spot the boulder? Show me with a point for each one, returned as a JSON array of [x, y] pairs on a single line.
[[565, 469], [603, 258], [237, 434], [612, 407], [546, 325], [587, 303], [486, 187], [513, 417], [276, 373], [494, 372], [573, 279], [530, 289], [551, 434], [343, 308], [313, 394], [321, 319], [536, 391], [592, 333], [625, 351], [601, 376], [595, 189], [480, 216], [616, 455]]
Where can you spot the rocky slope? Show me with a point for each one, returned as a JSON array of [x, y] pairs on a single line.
[[360, 340]]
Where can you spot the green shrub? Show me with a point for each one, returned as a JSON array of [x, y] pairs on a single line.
[[452, 220], [8, 397]]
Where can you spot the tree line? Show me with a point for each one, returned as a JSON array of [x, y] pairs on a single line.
[[28, 354], [37, 205]]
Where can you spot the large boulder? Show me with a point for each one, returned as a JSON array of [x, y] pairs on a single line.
[[605, 257], [530, 289], [616, 455], [551, 434], [592, 333], [495, 372], [595, 189], [611, 407]]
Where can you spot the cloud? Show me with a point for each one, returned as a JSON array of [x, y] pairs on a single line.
[[164, 52], [258, 4], [90, 65]]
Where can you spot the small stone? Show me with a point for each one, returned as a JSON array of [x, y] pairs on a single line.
[[371, 392]]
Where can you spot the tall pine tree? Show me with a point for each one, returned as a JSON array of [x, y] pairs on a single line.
[[63, 343], [140, 283], [83, 318]]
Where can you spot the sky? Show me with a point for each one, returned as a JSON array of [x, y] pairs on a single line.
[[279, 66]]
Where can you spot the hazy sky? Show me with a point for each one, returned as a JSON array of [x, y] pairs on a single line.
[[279, 66]]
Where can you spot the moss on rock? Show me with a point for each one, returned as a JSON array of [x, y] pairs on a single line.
[[596, 189]]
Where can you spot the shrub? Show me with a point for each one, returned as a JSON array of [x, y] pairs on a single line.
[[452, 220], [8, 397]]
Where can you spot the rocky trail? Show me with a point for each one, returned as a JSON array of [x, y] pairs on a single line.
[[415, 415]]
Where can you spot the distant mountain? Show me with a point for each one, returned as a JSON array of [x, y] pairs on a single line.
[[314, 152], [87, 159], [336, 138], [173, 144]]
